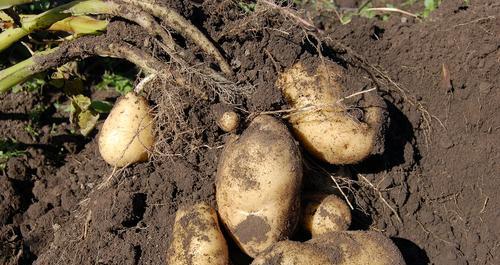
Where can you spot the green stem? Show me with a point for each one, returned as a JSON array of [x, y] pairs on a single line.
[[49, 17], [8, 3], [19, 72]]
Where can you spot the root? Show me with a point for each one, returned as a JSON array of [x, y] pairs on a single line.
[[225, 89], [183, 26], [381, 197], [148, 22], [311, 108]]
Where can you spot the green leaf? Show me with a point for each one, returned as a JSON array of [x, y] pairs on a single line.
[[34, 84], [121, 84], [366, 12], [101, 106], [347, 18], [87, 121], [247, 7]]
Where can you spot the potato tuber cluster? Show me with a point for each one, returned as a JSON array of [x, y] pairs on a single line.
[[259, 176]]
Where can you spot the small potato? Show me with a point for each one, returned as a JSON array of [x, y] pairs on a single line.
[[197, 238], [323, 214], [127, 133], [338, 248], [229, 121], [323, 126], [258, 183]]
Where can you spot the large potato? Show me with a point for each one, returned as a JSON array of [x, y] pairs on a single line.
[[258, 184], [127, 133], [197, 238], [322, 124], [338, 248], [323, 214], [295, 253], [360, 248]]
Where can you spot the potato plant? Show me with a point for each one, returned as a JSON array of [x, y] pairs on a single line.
[[259, 178]]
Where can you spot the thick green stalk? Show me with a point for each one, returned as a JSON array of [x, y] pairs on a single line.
[[47, 18], [19, 72], [8, 3]]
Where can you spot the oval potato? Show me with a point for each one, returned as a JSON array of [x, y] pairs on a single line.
[[127, 133], [323, 214], [197, 238], [360, 248], [337, 248], [323, 126], [295, 253], [258, 183]]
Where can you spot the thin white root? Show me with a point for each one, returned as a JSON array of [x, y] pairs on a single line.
[[392, 9], [143, 82], [381, 197]]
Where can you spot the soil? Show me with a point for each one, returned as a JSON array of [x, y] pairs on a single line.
[[440, 180]]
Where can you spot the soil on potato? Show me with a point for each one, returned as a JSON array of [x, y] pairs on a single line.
[[442, 183]]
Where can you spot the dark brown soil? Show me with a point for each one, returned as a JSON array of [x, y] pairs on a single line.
[[441, 182]]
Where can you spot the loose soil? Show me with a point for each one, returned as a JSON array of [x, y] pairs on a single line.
[[440, 180]]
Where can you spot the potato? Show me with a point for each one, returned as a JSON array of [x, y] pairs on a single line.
[[197, 238], [127, 133], [338, 248], [258, 183], [294, 253], [229, 121], [327, 131], [360, 248], [323, 214]]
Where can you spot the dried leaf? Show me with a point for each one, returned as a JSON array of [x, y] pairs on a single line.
[[87, 121], [80, 25], [82, 102], [445, 79]]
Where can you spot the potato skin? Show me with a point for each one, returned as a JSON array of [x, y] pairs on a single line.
[[338, 248], [295, 253], [329, 133], [197, 238], [258, 183], [360, 248], [127, 133], [229, 121], [324, 214]]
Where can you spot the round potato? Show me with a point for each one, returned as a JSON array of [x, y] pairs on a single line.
[[127, 133], [229, 121], [258, 183], [322, 123], [197, 238], [323, 214]]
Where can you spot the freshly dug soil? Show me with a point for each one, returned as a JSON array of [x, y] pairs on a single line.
[[441, 180]]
